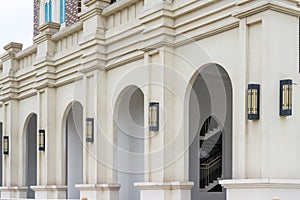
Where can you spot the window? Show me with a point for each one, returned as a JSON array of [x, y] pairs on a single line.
[[48, 12], [114, 1], [62, 11], [79, 6]]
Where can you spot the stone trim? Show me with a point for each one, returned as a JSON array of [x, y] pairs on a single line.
[[101, 187], [261, 183], [49, 187], [164, 185], [267, 5]]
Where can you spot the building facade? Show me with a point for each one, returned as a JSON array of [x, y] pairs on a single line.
[[153, 99]]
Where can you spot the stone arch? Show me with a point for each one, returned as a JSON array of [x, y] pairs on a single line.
[[209, 93], [30, 153], [72, 142], [129, 141]]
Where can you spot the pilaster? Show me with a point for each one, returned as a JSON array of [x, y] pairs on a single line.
[[49, 160], [98, 175], [92, 41]]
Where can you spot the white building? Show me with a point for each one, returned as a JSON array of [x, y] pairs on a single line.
[[153, 99]]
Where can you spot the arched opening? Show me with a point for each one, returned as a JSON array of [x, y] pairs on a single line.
[[210, 132], [74, 147], [31, 154], [1, 135], [129, 132]]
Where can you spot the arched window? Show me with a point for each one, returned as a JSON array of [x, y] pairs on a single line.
[[62, 11], [50, 11], [46, 13]]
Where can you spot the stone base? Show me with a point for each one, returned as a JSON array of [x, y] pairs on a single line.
[[50, 191], [99, 191], [261, 189], [13, 192], [165, 190]]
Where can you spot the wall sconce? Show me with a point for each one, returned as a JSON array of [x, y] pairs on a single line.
[[5, 145], [41, 140], [286, 93], [253, 101], [153, 116], [89, 130]]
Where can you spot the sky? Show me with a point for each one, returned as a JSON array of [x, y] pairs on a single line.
[[16, 22]]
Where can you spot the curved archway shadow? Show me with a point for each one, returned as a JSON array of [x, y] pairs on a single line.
[[211, 95]]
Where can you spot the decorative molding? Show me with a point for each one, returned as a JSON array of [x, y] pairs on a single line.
[[117, 6], [13, 47], [164, 185], [261, 183], [77, 26], [49, 188], [102, 187], [26, 52], [267, 5], [51, 27]]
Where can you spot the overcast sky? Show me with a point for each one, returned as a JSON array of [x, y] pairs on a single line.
[[16, 22]]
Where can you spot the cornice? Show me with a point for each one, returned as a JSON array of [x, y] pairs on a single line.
[[191, 6], [128, 58], [261, 183], [26, 52], [92, 11], [207, 14], [192, 37], [13, 47], [67, 31], [7, 56], [164, 185], [117, 6], [267, 5], [101, 187]]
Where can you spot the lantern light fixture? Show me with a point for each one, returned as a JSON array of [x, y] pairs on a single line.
[[41, 140], [253, 101], [286, 93], [5, 145], [153, 116], [89, 130]]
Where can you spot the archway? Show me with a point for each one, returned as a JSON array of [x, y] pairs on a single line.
[[210, 132], [129, 132], [31, 154], [1, 135], [74, 149]]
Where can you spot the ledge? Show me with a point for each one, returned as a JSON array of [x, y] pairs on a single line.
[[102, 187], [26, 52], [13, 46], [117, 6], [16, 188], [49, 187], [261, 183], [164, 185], [67, 31], [267, 5]]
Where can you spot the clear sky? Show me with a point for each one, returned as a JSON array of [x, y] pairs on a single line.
[[16, 22]]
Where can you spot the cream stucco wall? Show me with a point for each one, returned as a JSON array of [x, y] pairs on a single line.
[[160, 49]]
